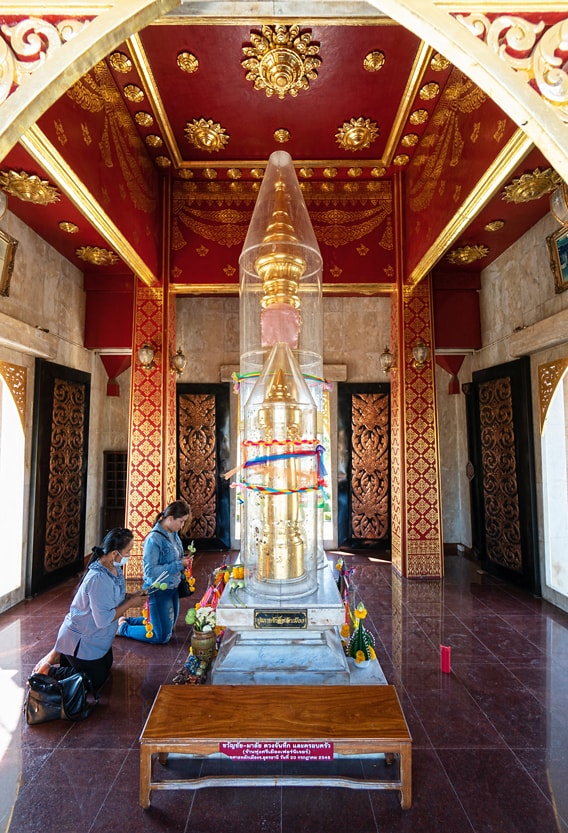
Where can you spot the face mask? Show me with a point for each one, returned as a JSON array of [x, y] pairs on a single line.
[[122, 562]]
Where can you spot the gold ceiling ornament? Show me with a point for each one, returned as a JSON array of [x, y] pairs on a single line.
[[68, 227], [120, 62], [494, 225], [281, 61], [234, 173], [28, 187], [467, 254], [163, 161], [531, 186], [419, 117], [153, 141], [143, 119], [187, 62], [378, 170], [357, 134], [439, 63], [429, 91], [97, 256], [409, 140], [185, 173], [354, 172], [209, 173], [306, 173], [257, 173], [281, 135], [133, 93], [374, 61], [401, 159], [330, 173], [205, 134]]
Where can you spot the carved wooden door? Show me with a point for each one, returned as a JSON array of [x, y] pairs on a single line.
[[363, 472], [59, 473], [203, 458], [501, 471]]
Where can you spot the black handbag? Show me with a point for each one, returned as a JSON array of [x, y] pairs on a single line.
[[48, 698], [184, 589]]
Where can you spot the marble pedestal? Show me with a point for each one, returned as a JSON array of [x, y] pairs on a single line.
[[311, 655]]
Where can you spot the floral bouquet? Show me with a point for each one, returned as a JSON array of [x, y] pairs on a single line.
[[202, 618]]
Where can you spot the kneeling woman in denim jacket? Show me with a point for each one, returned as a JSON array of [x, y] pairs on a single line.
[[162, 556]]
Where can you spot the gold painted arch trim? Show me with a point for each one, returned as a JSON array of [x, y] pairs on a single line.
[[549, 376], [15, 377]]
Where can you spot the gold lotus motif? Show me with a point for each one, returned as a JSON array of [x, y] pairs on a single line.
[[120, 62], [143, 119], [357, 134], [378, 170], [306, 173], [187, 62], [531, 186], [185, 173], [418, 117], [28, 187], [205, 134], [330, 173], [409, 140], [153, 141], [67, 226], [281, 61], [209, 173], [354, 172], [234, 173], [467, 254], [401, 159], [134, 93], [374, 61], [163, 161], [429, 91], [97, 256], [439, 63], [257, 173], [282, 135], [494, 225]]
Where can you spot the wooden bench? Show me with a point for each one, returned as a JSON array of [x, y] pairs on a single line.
[[265, 722]]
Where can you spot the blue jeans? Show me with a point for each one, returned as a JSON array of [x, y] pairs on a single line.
[[164, 611]]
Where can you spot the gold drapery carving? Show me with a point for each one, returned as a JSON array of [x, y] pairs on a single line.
[[500, 486]]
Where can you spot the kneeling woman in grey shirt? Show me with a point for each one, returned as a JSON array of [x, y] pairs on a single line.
[[85, 637]]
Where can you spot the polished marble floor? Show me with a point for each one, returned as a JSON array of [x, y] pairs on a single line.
[[490, 749]]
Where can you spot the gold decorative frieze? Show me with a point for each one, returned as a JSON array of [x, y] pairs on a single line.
[[531, 186], [163, 161], [281, 135], [281, 61], [357, 134], [306, 173], [494, 225], [374, 61], [185, 173], [354, 172], [330, 173], [378, 170], [467, 254], [401, 159], [96, 255], [27, 45], [28, 187], [542, 64], [429, 91], [205, 134], [143, 119], [153, 141], [209, 173], [409, 140], [418, 117], [234, 173], [257, 173], [120, 62], [133, 93], [187, 62], [439, 63], [68, 227]]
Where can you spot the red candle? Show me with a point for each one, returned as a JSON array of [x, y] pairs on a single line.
[[445, 655]]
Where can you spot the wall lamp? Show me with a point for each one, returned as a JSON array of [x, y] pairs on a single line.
[[559, 204], [146, 356], [421, 354], [386, 360], [178, 362]]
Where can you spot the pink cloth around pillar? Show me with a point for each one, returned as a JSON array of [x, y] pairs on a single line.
[[445, 658]]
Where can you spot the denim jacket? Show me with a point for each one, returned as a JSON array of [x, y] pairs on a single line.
[[162, 553]]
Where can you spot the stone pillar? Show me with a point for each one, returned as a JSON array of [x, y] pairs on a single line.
[[152, 443], [417, 549]]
